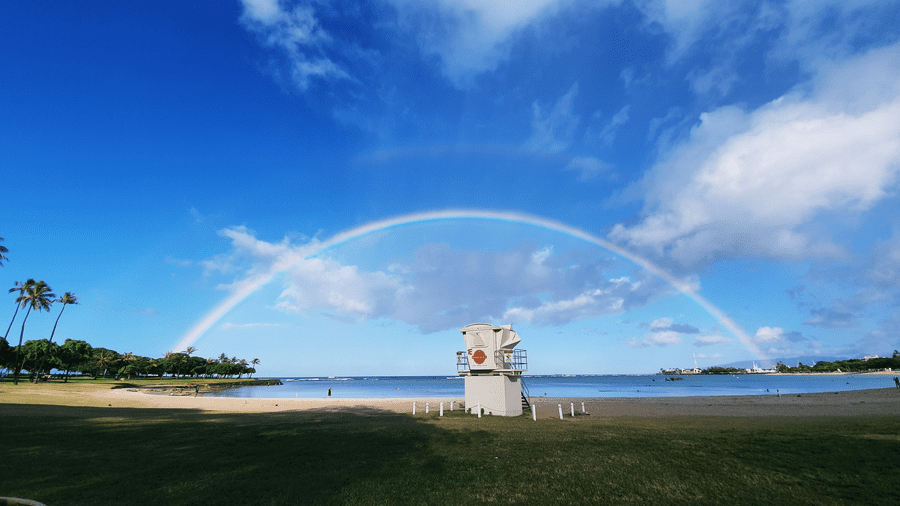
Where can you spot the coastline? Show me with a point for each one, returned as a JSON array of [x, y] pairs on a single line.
[[884, 401], [834, 373]]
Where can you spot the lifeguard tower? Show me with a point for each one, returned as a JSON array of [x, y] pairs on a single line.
[[493, 369]]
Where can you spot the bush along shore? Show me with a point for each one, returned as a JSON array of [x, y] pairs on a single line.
[[182, 387]]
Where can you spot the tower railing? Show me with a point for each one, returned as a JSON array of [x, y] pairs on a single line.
[[520, 360], [462, 361], [516, 361]]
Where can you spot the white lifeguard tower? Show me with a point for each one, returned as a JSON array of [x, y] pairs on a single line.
[[493, 369]]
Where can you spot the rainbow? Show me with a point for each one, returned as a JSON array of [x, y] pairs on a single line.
[[247, 286]]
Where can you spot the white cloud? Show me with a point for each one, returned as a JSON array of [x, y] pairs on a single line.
[[325, 283], [265, 11], [660, 338], [448, 285], [606, 133], [805, 28], [442, 286], [588, 167], [718, 79], [554, 130], [220, 263], [744, 183], [470, 36], [717, 37], [768, 335], [664, 338], [244, 240], [295, 32], [584, 305], [663, 332], [661, 323], [775, 341], [684, 20], [809, 33]]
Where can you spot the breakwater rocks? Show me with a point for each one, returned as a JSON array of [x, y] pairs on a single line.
[[205, 387]]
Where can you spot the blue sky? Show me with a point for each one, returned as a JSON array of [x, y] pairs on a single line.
[[161, 159]]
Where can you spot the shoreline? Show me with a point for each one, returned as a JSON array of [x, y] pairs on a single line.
[[883, 401]]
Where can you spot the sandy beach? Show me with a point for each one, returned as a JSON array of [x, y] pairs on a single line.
[[132, 447], [846, 403]]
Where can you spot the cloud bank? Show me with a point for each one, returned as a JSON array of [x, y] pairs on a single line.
[[440, 285], [745, 183]]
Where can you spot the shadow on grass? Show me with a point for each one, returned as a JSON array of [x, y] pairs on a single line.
[[78, 455], [84, 455]]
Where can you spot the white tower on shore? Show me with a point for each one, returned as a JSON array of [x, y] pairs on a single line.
[[492, 369]]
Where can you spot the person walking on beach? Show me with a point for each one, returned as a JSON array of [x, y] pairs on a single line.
[[329, 392]]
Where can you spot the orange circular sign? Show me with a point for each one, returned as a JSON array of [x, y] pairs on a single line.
[[479, 357]]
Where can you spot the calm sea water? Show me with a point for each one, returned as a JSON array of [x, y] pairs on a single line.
[[567, 386]]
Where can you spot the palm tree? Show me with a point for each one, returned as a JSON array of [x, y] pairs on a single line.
[[167, 363], [189, 350], [18, 287], [255, 363], [67, 298], [128, 359], [104, 359], [37, 296], [2, 251]]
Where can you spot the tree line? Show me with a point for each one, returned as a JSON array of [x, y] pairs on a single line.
[[40, 357], [851, 365]]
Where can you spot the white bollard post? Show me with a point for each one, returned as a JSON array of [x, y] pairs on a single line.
[[583, 412], [560, 411], [451, 405], [442, 409], [479, 410], [426, 408], [534, 412], [414, 407], [572, 405]]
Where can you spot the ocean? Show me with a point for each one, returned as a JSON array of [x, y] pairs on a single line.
[[372, 387]]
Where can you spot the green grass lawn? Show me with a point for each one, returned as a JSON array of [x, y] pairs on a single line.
[[87, 455]]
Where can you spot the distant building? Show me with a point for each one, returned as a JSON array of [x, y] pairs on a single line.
[[757, 370]]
